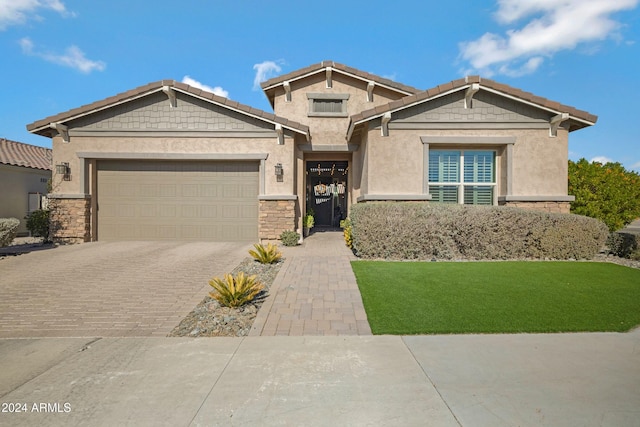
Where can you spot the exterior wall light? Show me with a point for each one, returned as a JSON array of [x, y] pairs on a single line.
[[279, 171], [64, 170]]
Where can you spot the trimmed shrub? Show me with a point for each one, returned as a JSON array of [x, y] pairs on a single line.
[[624, 245], [38, 223], [423, 231], [266, 254], [290, 238], [8, 230]]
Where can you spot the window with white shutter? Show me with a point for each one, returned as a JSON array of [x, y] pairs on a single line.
[[462, 176]]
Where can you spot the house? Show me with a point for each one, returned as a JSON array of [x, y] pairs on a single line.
[[170, 161], [25, 171]]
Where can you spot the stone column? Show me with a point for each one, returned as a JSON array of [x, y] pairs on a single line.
[[70, 218]]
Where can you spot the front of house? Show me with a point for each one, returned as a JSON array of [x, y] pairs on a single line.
[[167, 161]]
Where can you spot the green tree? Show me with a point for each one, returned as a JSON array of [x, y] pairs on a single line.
[[607, 192]]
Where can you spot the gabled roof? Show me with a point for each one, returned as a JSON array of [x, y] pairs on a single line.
[[44, 126], [29, 156], [340, 68], [579, 118]]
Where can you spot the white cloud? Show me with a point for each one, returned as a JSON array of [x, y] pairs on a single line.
[[13, 12], [602, 159], [215, 90], [636, 166], [549, 26], [264, 71], [72, 57]]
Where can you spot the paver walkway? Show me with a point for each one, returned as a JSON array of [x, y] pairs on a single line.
[[315, 292]]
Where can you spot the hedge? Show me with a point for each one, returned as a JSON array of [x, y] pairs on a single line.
[[8, 230], [423, 231]]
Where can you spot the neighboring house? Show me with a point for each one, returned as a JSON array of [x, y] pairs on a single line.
[[25, 171], [170, 161]]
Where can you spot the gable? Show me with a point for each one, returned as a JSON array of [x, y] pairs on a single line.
[[155, 113], [487, 107]]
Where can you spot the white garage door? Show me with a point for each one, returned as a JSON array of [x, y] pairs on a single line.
[[177, 200]]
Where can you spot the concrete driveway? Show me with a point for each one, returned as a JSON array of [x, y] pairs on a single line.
[[109, 289]]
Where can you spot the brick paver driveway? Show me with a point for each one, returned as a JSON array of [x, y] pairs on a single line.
[[109, 289]]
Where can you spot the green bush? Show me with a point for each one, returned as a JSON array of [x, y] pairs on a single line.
[[290, 238], [426, 231], [235, 291], [623, 245], [266, 254], [8, 230], [38, 223], [345, 224], [607, 192]]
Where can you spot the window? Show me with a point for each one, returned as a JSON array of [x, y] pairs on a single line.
[[465, 177], [327, 104]]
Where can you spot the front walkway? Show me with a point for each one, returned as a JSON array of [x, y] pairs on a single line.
[[315, 292]]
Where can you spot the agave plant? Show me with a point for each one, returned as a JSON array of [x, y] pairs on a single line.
[[235, 291], [266, 254]]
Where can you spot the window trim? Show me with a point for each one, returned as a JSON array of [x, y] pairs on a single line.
[[312, 97], [460, 183], [490, 142]]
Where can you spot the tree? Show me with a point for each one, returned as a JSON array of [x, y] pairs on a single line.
[[607, 192]]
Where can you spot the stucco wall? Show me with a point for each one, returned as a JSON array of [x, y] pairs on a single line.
[[395, 163], [328, 130], [17, 183], [67, 152]]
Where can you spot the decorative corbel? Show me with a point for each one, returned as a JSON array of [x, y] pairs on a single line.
[[370, 87], [168, 90], [61, 129], [555, 123], [287, 91], [280, 133], [329, 81], [468, 96], [384, 128]]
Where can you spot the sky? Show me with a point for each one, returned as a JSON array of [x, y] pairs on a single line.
[[60, 54]]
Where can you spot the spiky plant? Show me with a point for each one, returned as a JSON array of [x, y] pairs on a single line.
[[266, 254], [235, 291]]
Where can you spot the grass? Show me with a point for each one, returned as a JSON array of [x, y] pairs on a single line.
[[498, 297]]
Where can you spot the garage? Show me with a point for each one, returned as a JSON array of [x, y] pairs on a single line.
[[177, 200]]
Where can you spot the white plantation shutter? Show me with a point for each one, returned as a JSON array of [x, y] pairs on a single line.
[[462, 176]]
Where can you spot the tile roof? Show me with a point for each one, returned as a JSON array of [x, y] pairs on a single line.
[[19, 154], [484, 83], [42, 126], [340, 67]]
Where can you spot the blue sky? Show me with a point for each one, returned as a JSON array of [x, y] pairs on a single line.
[[61, 54]]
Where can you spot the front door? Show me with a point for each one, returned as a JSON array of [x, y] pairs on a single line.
[[327, 192]]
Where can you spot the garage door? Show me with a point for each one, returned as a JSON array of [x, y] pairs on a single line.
[[177, 200]]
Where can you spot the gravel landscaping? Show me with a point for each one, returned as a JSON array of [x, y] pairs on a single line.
[[210, 319]]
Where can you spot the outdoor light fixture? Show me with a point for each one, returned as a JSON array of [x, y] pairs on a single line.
[[64, 170], [279, 171]]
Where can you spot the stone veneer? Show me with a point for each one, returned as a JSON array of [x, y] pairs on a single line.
[[70, 219], [555, 207], [276, 216]]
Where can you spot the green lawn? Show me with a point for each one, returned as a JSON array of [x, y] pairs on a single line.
[[498, 297]]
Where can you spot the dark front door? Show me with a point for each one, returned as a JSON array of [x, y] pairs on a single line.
[[327, 192]]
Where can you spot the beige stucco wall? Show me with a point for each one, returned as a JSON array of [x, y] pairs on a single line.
[[17, 183], [395, 164], [328, 130], [165, 145]]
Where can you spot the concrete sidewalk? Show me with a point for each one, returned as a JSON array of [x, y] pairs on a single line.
[[455, 380], [315, 292]]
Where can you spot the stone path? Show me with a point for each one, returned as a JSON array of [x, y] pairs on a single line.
[[315, 292]]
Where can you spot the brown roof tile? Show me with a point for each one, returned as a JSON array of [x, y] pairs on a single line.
[[20, 154], [341, 67], [42, 126], [456, 84]]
